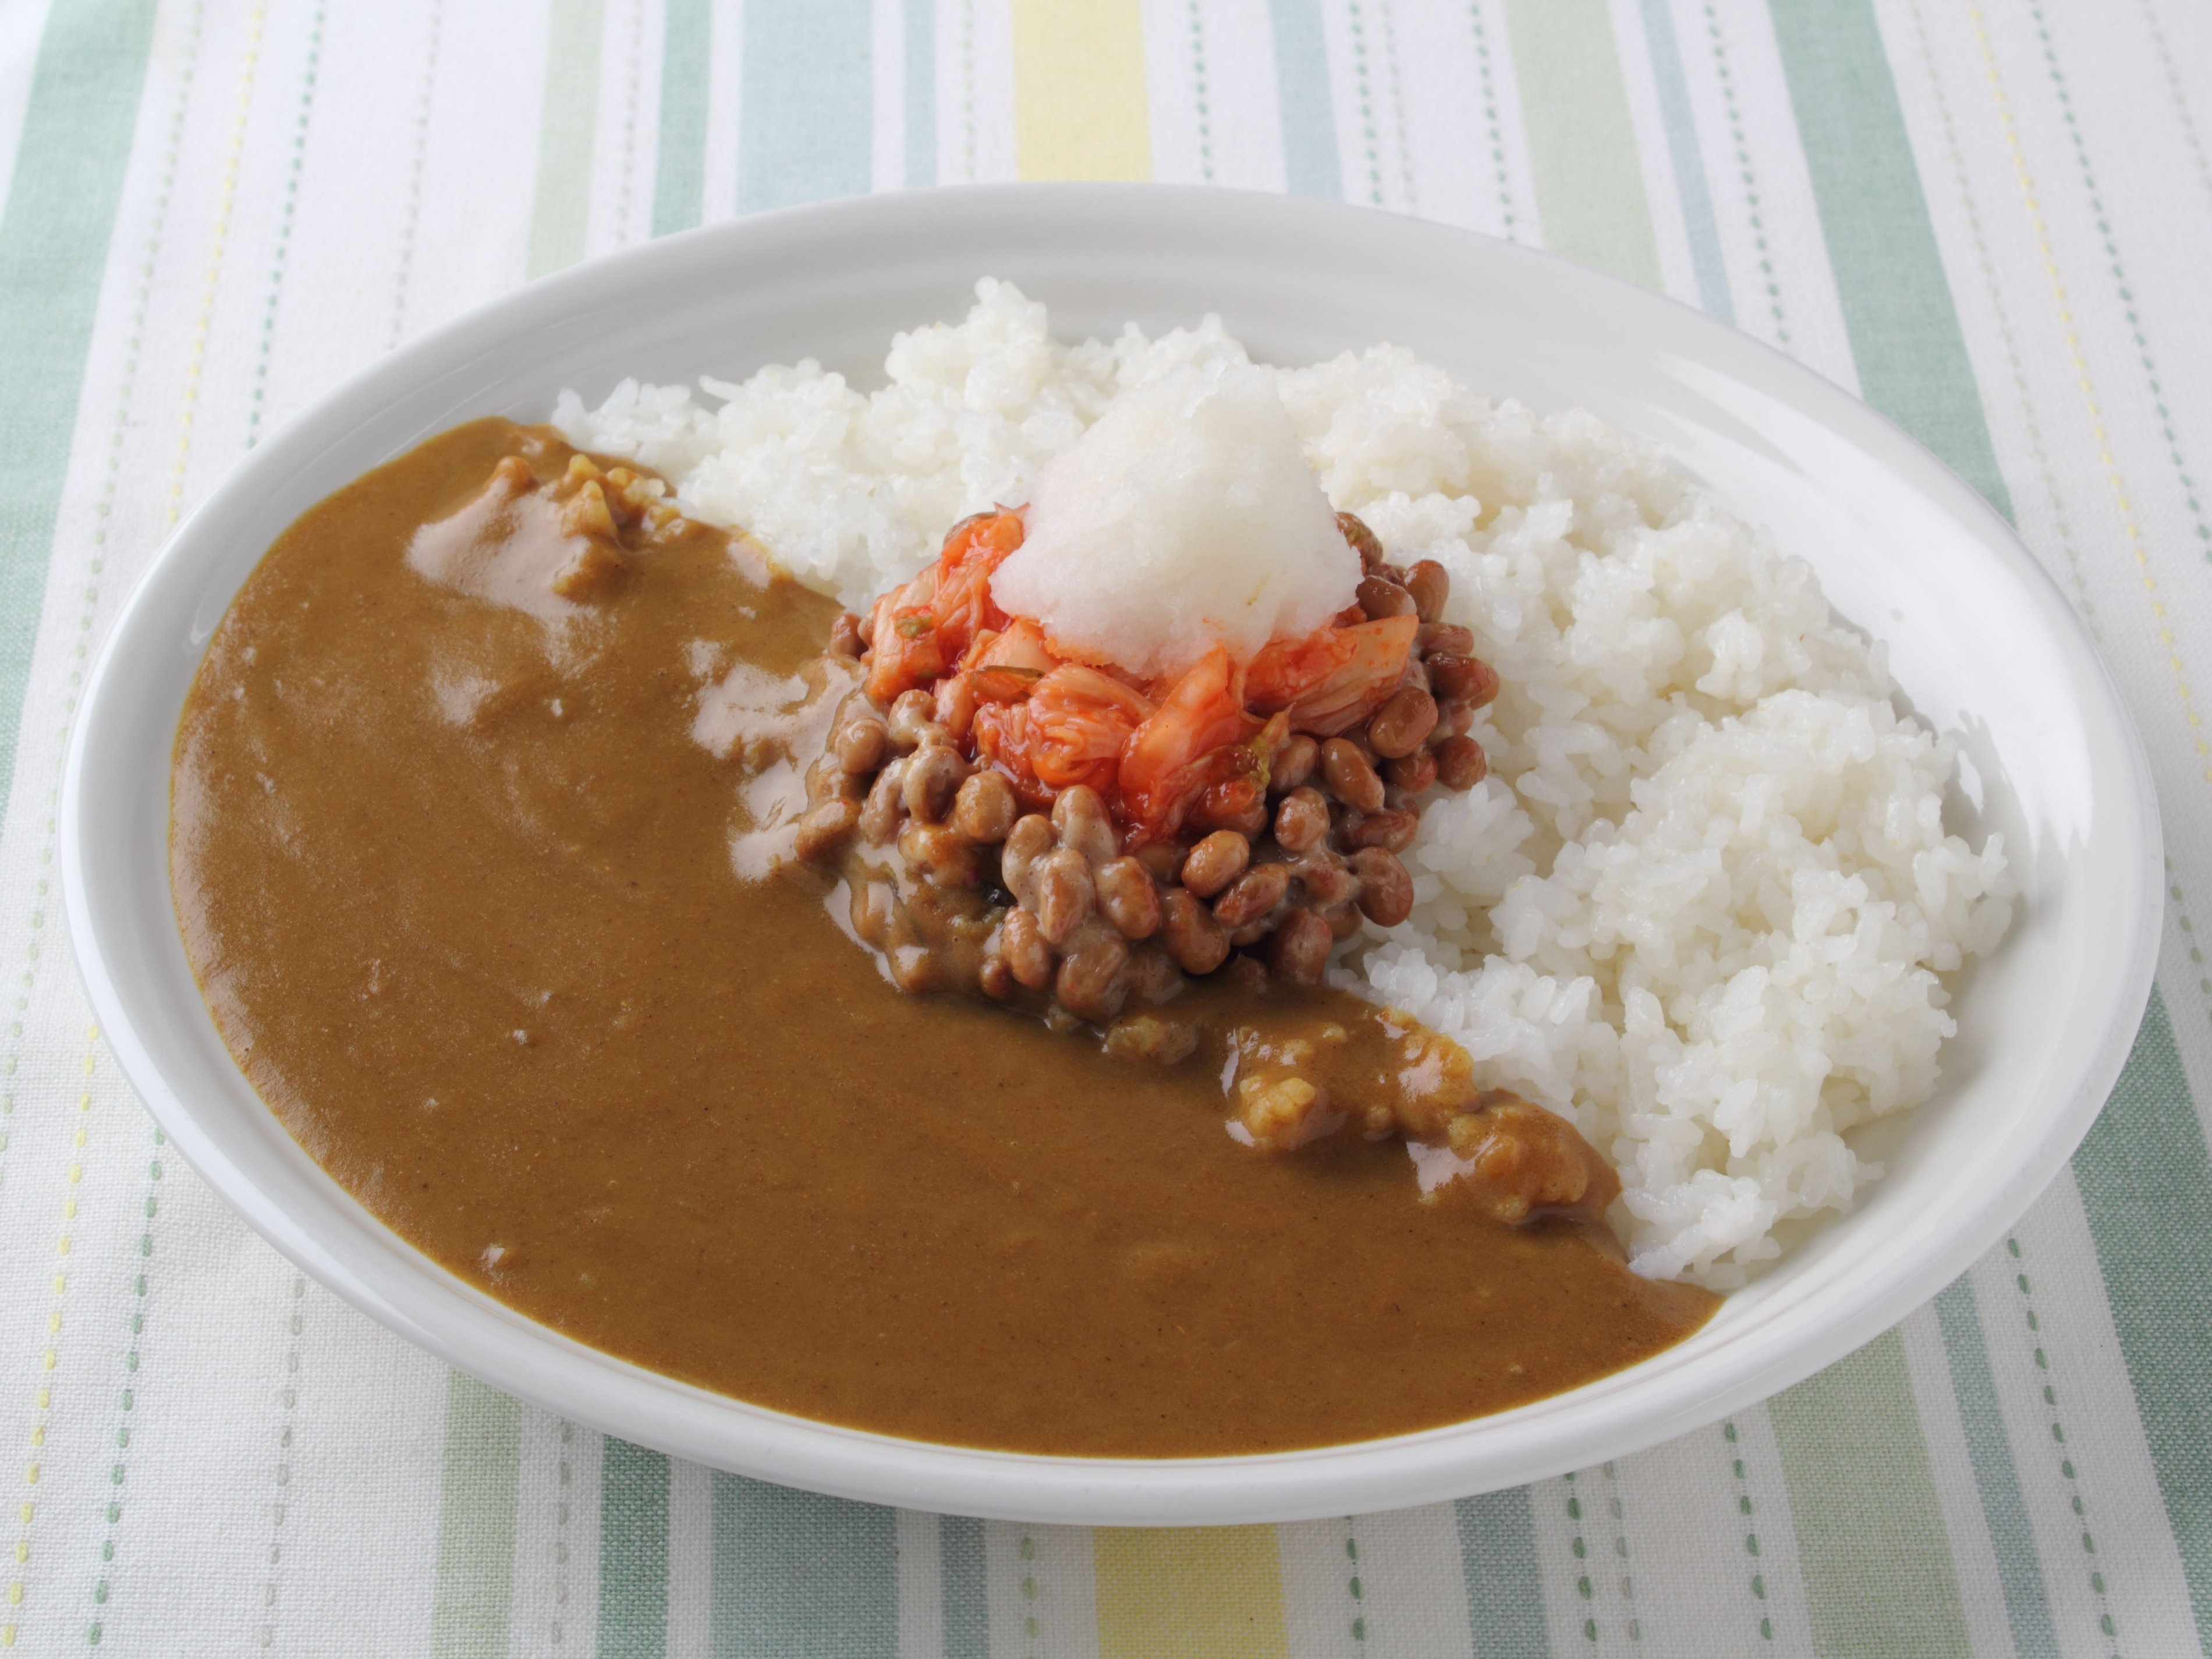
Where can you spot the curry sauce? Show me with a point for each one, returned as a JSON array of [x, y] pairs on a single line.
[[466, 851]]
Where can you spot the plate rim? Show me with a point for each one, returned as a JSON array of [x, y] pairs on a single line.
[[856, 1463]]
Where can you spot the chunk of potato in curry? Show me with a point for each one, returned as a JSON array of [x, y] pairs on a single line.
[[466, 854]]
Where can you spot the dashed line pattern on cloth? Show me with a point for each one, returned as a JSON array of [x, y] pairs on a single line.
[[1616, 1511], [43, 1396], [218, 246], [2092, 406], [1352, 1587], [2121, 286], [1030, 1588], [128, 1401], [172, 507], [2002, 317], [1590, 1577], [309, 76], [1198, 93], [1363, 79], [563, 1506], [1485, 76], [1746, 176], [2179, 95], [635, 34], [411, 215], [968, 89], [1743, 1504], [2105, 1621], [2189, 931], [287, 1401], [102, 509], [1397, 103]]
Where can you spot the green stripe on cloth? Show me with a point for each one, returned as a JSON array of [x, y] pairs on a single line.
[[1504, 1585], [1904, 334], [967, 1608], [568, 133], [633, 1552], [1310, 164], [475, 1522], [54, 232], [807, 122], [921, 94], [798, 1576], [2146, 1182], [1582, 141], [1877, 1565], [1996, 1479], [679, 162], [1699, 222]]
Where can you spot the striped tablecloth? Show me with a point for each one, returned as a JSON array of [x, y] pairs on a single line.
[[1990, 218]]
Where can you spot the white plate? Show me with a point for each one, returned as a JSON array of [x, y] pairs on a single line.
[[1982, 642]]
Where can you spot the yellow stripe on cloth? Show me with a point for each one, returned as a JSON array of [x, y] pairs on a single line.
[[1202, 1593], [1080, 105]]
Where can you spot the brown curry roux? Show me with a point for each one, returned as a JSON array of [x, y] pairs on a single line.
[[459, 867]]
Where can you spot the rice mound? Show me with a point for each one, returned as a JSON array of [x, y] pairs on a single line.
[[1703, 901]]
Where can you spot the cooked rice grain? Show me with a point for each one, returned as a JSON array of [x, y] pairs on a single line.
[[1704, 899]]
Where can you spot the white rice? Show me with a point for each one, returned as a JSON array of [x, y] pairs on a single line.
[[1702, 901]]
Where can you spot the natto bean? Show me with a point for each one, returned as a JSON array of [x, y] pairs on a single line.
[[1430, 584], [1256, 892], [880, 816], [1092, 981], [1386, 891], [1024, 944], [913, 716], [1403, 723], [933, 777], [1392, 831], [985, 809], [1351, 779], [1294, 763], [1129, 898], [1325, 878], [1215, 862], [825, 830], [1411, 773], [1301, 821], [937, 855], [1193, 937], [1452, 675], [1028, 842], [1066, 894], [1300, 953], [1080, 818], [1380, 598], [1461, 763], [862, 745]]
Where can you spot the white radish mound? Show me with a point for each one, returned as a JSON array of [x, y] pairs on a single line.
[[1187, 517], [1704, 903]]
